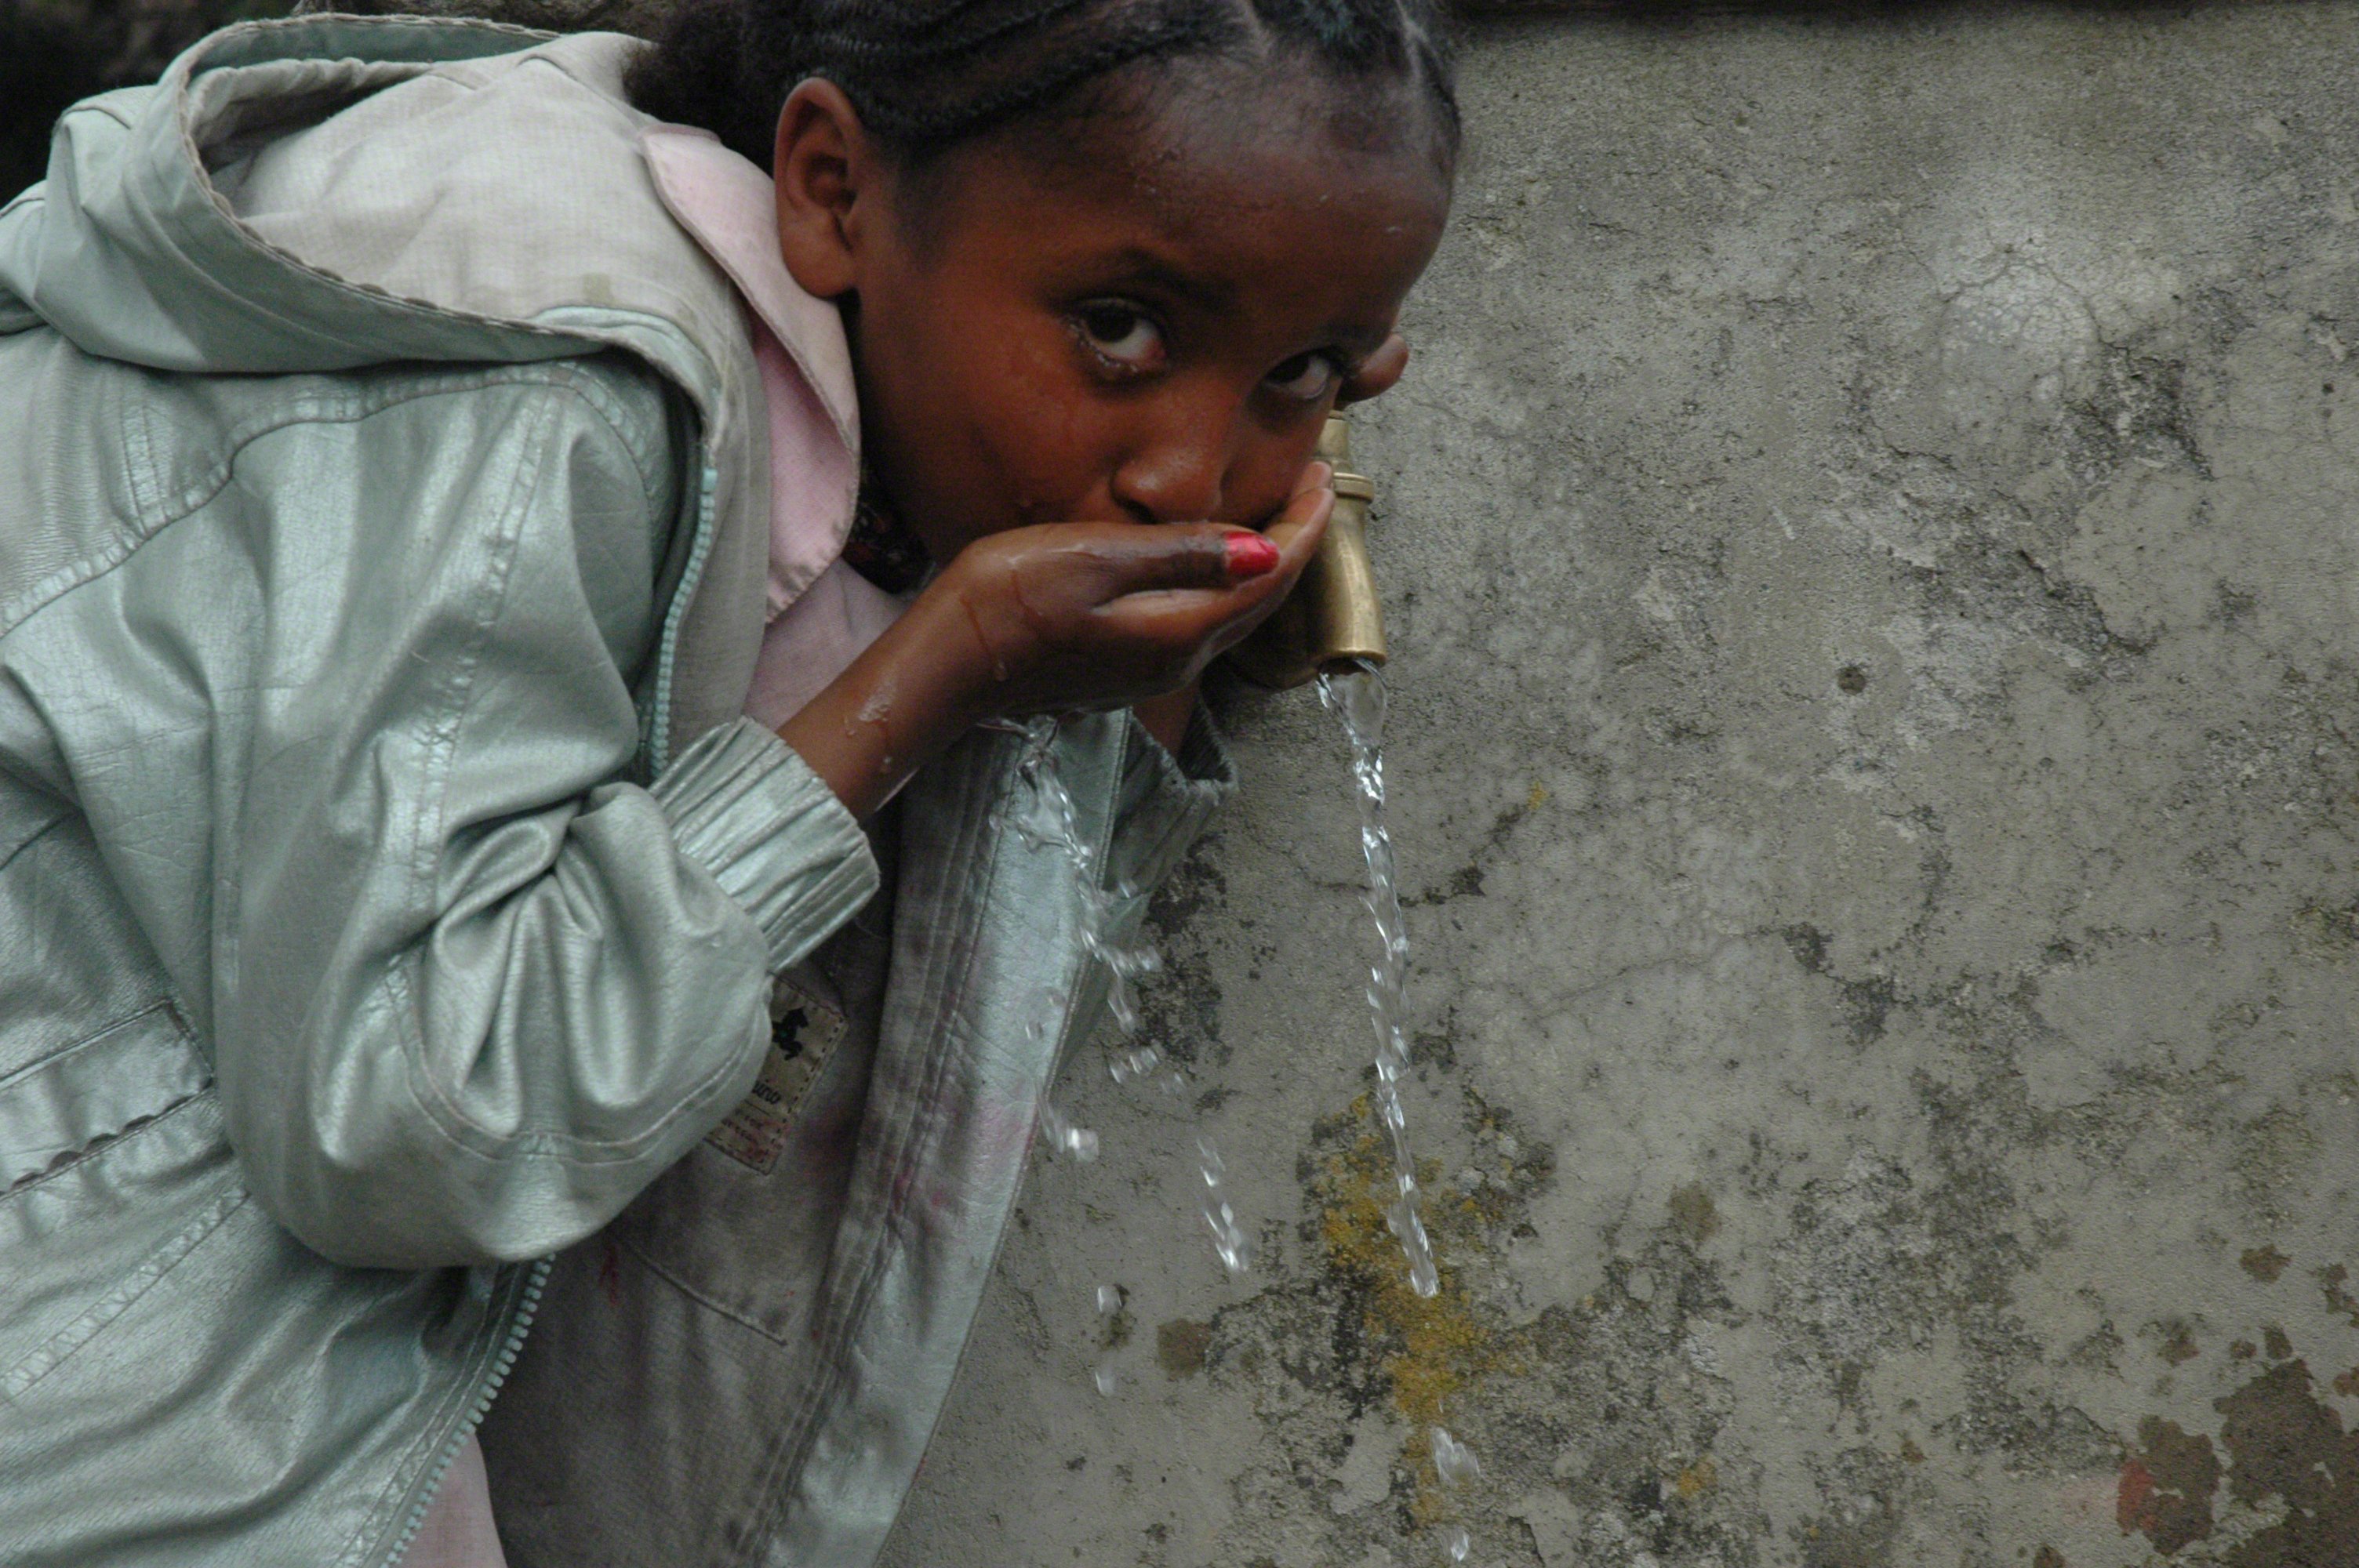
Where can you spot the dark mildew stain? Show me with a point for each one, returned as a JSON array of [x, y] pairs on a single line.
[[2264, 1263], [1180, 1347]]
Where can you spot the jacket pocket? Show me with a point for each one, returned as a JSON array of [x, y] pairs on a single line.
[[56, 1110], [20, 1375], [745, 1221]]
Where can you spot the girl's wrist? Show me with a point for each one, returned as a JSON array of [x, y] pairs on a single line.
[[945, 654], [899, 704]]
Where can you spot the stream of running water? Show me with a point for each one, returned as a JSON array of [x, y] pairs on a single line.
[[1356, 697]]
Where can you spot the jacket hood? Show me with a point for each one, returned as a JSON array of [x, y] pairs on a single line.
[[132, 250], [326, 192]]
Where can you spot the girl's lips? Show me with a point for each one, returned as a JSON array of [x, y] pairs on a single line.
[[1250, 555]]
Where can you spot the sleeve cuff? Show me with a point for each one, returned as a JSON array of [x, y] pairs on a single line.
[[747, 809]]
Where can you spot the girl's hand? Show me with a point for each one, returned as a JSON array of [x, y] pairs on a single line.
[[1060, 618], [1084, 616]]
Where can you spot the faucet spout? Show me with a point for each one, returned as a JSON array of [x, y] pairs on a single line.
[[1333, 618]]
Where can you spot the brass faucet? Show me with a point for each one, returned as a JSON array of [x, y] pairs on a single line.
[[1332, 618]]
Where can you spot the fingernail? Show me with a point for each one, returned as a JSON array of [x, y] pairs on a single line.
[[1250, 554]]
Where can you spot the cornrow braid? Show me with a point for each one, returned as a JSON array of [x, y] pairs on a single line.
[[924, 75]]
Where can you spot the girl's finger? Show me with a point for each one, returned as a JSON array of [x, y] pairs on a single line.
[[1298, 528], [1192, 615], [1175, 557]]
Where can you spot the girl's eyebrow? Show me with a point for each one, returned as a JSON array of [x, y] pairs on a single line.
[[1140, 266]]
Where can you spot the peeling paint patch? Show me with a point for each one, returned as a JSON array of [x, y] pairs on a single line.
[[2333, 1280], [2284, 1443], [2292, 1472], [2178, 1342], [2167, 1486]]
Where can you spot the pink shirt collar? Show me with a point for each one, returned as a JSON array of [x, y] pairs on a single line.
[[821, 612], [730, 208]]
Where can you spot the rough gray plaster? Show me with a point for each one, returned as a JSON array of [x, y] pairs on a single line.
[[1870, 537]]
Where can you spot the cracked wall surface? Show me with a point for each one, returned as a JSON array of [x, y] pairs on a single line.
[[1871, 552]]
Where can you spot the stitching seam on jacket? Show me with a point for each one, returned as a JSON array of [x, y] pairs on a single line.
[[351, 408], [439, 742]]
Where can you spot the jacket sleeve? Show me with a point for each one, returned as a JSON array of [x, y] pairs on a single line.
[[468, 987]]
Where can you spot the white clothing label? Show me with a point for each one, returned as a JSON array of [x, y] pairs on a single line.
[[804, 1032]]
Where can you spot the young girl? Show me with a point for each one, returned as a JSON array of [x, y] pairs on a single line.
[[478, 556]]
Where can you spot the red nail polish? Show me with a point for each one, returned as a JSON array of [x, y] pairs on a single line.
[[1250, 554]]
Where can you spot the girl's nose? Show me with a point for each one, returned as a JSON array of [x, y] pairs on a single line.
[[1179, 472]]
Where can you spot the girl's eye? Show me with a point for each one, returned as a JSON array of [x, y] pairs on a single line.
[[1307, 378], [1121, 335]]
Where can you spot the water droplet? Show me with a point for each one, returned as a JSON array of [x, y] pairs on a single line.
[[1109, 1300], [1455, 1542], [1065, 1140], [1137, 1062], [1452, 1459], [1104, 1377], [1228, 1237]]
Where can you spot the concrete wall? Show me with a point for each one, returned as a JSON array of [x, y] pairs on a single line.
[[1872, 552]]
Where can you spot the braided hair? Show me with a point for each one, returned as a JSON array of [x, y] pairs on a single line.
[[926, 75]]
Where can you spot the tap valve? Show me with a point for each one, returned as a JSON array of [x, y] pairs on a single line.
[[1332, 618]]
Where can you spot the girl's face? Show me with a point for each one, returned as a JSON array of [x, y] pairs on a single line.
[[1149, 325]]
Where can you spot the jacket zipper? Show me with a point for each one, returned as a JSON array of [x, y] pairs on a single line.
[[519, 1324], [691, 576]]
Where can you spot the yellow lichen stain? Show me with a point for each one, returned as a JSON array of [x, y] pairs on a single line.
[[1431, 1346], [1538, 798], [1697, 1480]]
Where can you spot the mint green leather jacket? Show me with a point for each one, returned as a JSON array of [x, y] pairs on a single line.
[[388, 889]]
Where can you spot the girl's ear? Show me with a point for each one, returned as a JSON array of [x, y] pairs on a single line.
[[827, 177]]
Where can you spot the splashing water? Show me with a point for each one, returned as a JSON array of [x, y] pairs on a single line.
[[1109, 1300], [1456, 1464], [1357, 697], [1057, 826], [1054, 824], [1228, 1236]]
